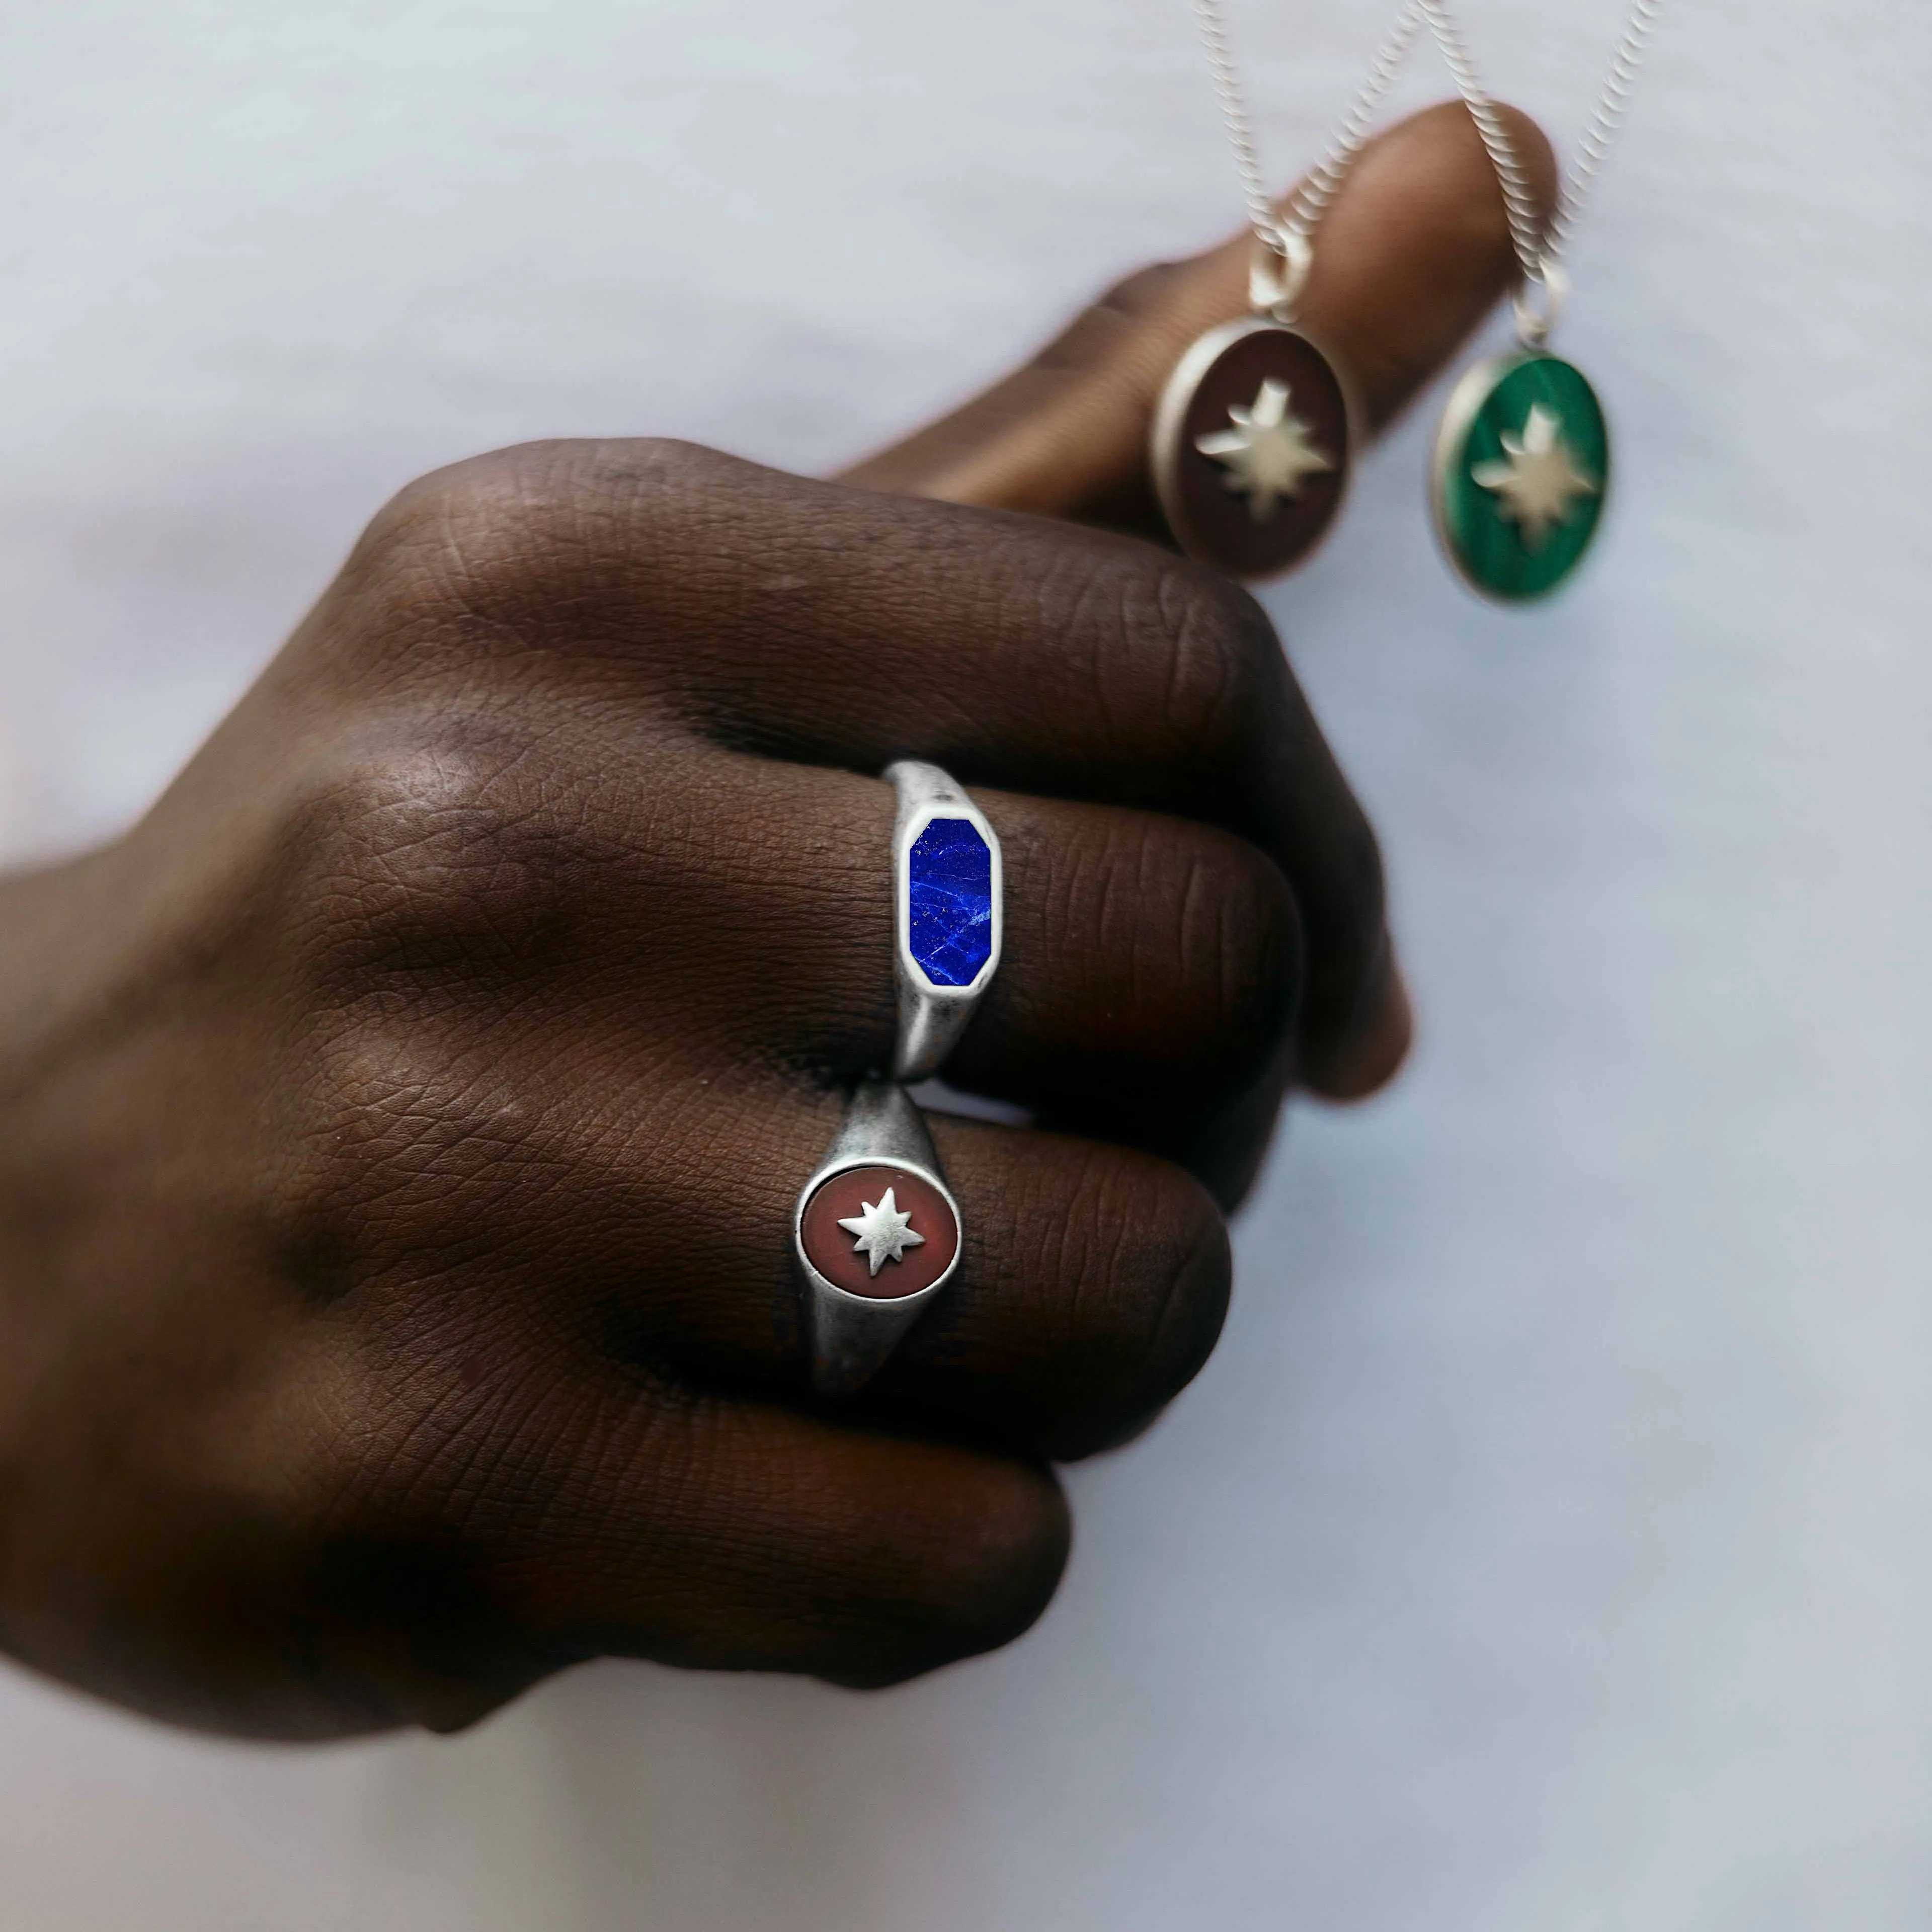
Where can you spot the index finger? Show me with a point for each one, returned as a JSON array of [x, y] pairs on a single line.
[[833, 625], [1415, 252]]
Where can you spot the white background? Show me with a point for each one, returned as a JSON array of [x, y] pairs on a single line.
[[1549, 1548]]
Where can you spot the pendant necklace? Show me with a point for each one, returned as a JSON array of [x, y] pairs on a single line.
[[1255, 432], [1522, 463]]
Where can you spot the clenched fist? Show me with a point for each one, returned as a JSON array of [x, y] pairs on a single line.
[[402, 1121]]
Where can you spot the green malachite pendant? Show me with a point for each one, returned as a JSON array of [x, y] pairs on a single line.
[[1522, 464]]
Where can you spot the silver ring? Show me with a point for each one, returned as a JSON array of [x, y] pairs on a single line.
[[949, 891], [1535, 316], [1278, 272], [876, 1231], [877, 1234]]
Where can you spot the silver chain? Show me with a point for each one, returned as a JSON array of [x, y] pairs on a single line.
[[1538, 244], [1316, 190], [1605, 119], [1310, 201], [1527, 231]]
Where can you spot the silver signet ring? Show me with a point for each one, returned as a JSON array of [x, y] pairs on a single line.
[[876, 1234], [948, 892], [876, 1231]]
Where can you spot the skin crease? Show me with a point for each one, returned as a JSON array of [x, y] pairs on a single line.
[[404, 1118]]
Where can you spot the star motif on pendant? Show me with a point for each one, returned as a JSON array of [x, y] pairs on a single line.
[[1268, 453], [1538, 482], [883, 1233]]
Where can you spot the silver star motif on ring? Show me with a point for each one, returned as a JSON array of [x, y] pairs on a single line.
[[883, 1232], [1538, 480], [1268, 453]]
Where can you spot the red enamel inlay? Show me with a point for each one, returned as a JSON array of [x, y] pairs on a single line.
[[829, 1247]]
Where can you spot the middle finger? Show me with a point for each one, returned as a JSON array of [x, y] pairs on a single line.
[[1149, 978], [527, 1179]]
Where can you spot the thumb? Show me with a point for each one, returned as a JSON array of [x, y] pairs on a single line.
[[1410, 257]]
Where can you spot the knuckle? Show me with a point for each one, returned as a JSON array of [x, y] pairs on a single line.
[[1097, 331], [1157, 1248], [1001, 1561], [568, 546], [464, 534], [1180, 940], [417, 922], [440, 847], [443, 1418], [1225, 662], [1137, 294], [1242, 936], [1182, 659], [990, 1556], [511, 532], [1220, 963], [1126, 1312], [1171, 643]]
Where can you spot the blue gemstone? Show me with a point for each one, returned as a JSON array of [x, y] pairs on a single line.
[[950, 883]]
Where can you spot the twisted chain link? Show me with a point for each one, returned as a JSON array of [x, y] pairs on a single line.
[[1606, 119], [1310, 200], [1527, 232], [1538, 244]]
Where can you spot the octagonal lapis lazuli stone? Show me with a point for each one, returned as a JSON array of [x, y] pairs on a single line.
[[950, 882]]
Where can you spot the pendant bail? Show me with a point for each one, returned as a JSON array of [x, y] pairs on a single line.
[[1535, 318], [1278, 272]]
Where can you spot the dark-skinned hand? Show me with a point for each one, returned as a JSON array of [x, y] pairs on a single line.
[[403, 1120]]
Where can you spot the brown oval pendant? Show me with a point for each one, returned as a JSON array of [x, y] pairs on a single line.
[[1252, 443]]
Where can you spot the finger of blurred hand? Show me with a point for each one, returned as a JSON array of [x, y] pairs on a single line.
[[1413, 253]]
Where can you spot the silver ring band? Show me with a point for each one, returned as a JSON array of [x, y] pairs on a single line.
[[949, 890], [876, 1231], [877, 1234]]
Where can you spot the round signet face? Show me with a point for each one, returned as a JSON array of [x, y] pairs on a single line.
[[877, 1255], [1251, 446], [1522, 468]]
